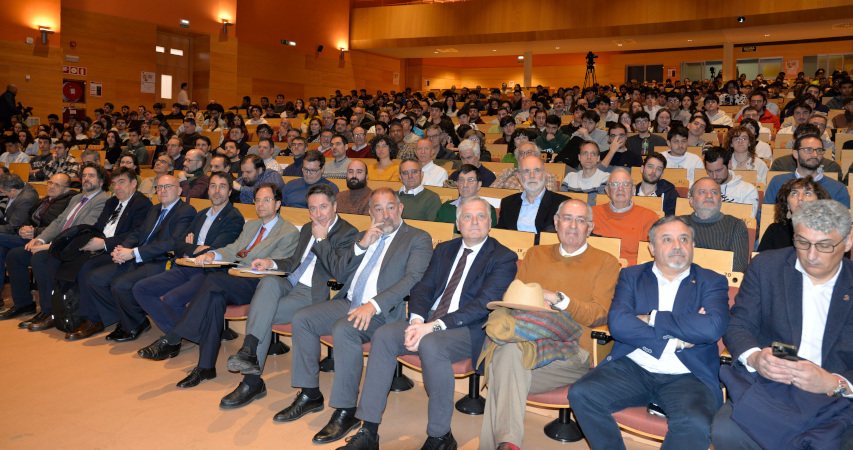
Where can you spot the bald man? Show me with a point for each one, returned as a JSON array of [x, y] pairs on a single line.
[[193, 180], [355, 200]]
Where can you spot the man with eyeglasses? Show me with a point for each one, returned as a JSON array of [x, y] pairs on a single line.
[[268, 237], [469, 153], [653, 184], [420, 203], [796, 296], [122, 215], [263, 132], [109, 289], [253, 172], [673, 104], [620, 218], [360, 148], [468, 184], [586, 132], [733, 188], [532, 209], [713, 229], [433, 133], [808, 153], [787, 163], [293, 193], [193, 179], [758, 100]]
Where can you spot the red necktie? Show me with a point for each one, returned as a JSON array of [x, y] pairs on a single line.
[[243, 253], [444, 304], [74, 214]]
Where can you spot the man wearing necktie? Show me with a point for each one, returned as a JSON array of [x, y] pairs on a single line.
[[447, 310], [141, 255], [123, 214], [267, 237], [83, 209], [387, 260], [277, 298]]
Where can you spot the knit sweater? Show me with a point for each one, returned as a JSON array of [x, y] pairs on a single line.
[[422, 206], [631, 226], [354, 201], [589, 300], [722, 232]]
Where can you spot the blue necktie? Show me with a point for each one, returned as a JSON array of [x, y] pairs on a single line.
[[303, 267], [159, 220], [361, 283]]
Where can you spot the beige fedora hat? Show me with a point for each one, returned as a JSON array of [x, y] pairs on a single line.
[[524, 296]]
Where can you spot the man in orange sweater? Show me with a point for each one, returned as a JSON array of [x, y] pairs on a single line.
[[620, 218], [557, 268]]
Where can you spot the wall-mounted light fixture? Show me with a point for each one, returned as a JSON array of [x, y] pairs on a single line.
[[44, 32], [184, 23], [343, 52], [225, 25]]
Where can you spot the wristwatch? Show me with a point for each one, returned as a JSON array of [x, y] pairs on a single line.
[[841, 389], [319, 240], [436, 326]]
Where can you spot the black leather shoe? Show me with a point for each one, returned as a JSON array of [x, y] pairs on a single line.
[[160, 350], [446, 442], [197, 376], [244, 362], [134, 334], [301, 405], [36, 318], [243, 395], [15, 311], [41, 325], [117, 333], [363, 440], [341, 423], [85, 330]]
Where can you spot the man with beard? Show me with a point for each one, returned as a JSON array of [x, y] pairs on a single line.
[[621, 218], [253, 173], [653, 184], [713, 229], [668, 353], [808, 152], [231, 153], [356, 199], [532, 209], [732, 186], [293, 193]]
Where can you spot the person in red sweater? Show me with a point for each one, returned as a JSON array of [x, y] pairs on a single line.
[[620, 218], [759, 101]]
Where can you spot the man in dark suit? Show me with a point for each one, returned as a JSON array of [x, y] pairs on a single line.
[[277, 298], [141, 255], [447, 310], [797, 296], [83, 209], [666, 318], [123, 214], [534, 208], [268, 236], [212, 228], [387, 260]]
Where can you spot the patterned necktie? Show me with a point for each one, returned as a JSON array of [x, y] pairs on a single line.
[[156, 224], [303, 267], [115, 216], [444, 303], [361, 283], [73, 215], [243, 253]]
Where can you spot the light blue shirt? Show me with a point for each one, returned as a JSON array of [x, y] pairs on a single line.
[[208, 222], [267, 227], [527, 214], [167, 208]]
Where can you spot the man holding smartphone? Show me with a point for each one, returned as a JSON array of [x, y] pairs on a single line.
[[798, 297]]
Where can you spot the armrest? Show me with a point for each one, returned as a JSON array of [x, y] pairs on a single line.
[[602, 334], [726, 357], [335, 285]]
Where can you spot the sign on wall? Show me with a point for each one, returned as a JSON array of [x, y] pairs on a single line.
[[96, 89], [396, 78], [74, 70], [148, 82], [792, 67]]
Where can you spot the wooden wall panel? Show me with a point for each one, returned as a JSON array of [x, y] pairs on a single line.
[[43, 64]]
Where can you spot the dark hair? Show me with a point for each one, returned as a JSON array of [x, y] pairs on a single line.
[[392, 146], [806, 129], [229, 179], [256, 160], [506, 121], [641, 114], [11, 181], [264, 126], [314, 155], [780, 213], [468, 168], [713, 154], [102, 173], [276, 191], [617, 125], [657, 156], [123, 171], [321, 188], [553, 120], [711, 98], [203, 138], [592, 115], [677, 130]]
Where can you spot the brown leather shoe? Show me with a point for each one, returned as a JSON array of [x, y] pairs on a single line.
[[45, 324], [85, 330]]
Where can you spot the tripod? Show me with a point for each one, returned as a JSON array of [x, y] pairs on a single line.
[[589, 78]]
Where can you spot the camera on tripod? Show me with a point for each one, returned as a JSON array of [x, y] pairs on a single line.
[[26, 111], [590, 59]]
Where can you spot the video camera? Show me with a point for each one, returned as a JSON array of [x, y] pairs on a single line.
[[590, 59]]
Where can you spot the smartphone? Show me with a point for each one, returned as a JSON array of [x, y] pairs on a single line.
[[655, 410], [785, 351]]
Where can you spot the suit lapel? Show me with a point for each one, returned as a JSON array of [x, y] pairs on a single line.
[[392, 250], [447, 266], [650, 287], [839, 309], [125, 214], [265, 242], [794, 299], [685, 291], [544, 207]]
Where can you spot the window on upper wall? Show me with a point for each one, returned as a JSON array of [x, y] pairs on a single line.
[[165, 86], [649, 72], [829, 63]]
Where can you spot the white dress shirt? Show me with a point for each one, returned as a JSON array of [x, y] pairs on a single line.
[[208, 222], [434, 175], [309, 272], [371, 288], [110, 227]]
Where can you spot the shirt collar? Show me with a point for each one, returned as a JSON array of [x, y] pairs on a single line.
[[625, 209], [414, 191], [536, 200], [829, 284], [677, 279], [574, 253]]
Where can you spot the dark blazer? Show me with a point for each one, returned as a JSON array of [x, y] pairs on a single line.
[[224, 230], [130, 221], [511, 207], [403, 265], [53, 211], [17, 214], [488, 278], [166, 237], [339, 241], [769, 308], [637, 294]]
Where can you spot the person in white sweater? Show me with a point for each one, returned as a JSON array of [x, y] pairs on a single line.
[[733, 188], [677, 156]]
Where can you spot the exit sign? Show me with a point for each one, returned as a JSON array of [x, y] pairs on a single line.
[[748, 48]]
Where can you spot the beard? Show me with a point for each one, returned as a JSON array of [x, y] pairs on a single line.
[[355, 184]]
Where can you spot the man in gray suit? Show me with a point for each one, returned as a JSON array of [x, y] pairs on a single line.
[[388, 259], [21, 198], [277, 298], [83, 209], [267, 237]]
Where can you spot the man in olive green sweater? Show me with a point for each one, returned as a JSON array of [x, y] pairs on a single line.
[[418, 202], [468, 184]]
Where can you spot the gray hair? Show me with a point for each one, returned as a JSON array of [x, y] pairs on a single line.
[[90, 152], [669, 219], [468, 144], [615, 169], [825, 216], [10, 181], [588, 208], [535, 147], [475, 198], [690, 191]]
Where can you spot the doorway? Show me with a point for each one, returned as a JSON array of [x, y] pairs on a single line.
[[173, 66]]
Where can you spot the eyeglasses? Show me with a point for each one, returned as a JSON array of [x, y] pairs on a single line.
[[51, 183], [809, 150], [410, 173], [164, 187], [617, 184], [740, 139], [823, 247], [305, 169], [264, 201]]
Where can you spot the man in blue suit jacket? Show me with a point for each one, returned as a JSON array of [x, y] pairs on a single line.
[[666, 318], [139, 256], [212, 228], [447, 310], [798, 296]]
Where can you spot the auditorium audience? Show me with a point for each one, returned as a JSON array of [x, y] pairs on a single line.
[[531, 209], [808, 154], [355, 200], [620, 217], [714, 230], [293, 193]]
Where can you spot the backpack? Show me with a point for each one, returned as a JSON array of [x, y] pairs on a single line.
[[65, 300]]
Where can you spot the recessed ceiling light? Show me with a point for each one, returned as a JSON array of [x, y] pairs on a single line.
[[619, 45], [690, 40], [766, 35], [557, 48], [435, 52], [521, 57], [494, 50]]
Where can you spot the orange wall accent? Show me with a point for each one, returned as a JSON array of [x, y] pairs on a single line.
[[22, 20], [204, 15], [308, 24]]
